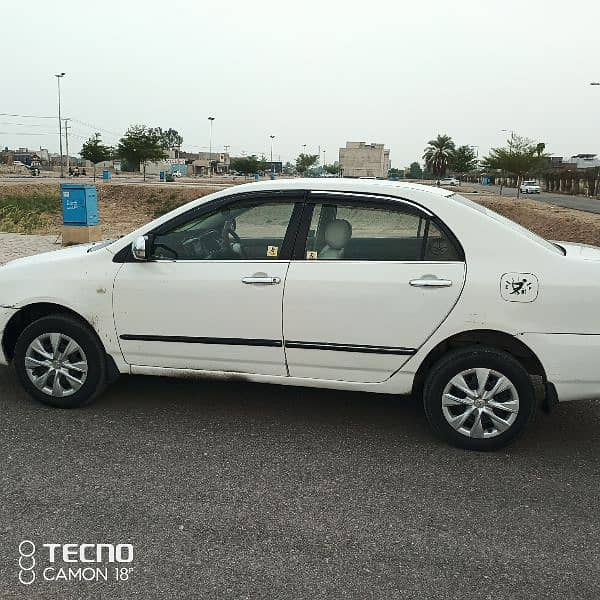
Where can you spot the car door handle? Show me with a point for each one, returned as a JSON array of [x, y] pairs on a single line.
[[262, 280], [433, 282]]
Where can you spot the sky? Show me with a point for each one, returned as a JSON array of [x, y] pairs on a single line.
[[314, 73]]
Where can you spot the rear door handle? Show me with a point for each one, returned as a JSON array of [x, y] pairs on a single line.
[[433, 282], [262, 280]]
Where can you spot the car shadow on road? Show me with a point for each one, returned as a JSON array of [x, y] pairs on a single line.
[[566, 428], [146, 401]]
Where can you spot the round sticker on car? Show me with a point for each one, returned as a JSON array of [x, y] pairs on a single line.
[[519, 287]]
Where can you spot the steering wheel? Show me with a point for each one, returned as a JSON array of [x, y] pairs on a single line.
[[165, 247], [230, 237]]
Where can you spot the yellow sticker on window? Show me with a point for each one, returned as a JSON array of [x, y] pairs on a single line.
[[311, 255], [272, 250]]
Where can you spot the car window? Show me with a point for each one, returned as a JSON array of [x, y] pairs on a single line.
[[352, 232], [235, 232]]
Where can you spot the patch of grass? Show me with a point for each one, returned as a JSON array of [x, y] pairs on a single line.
[[29, 213]]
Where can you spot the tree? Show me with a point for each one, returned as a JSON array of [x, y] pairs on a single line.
[[415, 171], [463, 160], [170, 138], [395, 173], [248, 165], [95, 151], [305, 162], [539, 148], [438, 154], [519, 157], [333, 168], [141, 144]]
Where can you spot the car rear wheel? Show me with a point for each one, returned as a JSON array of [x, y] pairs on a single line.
[[479, 398], [60, 361]]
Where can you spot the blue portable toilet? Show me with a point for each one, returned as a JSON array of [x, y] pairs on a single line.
[[256, 176], [161, 176], [79, 204], [106, 175]]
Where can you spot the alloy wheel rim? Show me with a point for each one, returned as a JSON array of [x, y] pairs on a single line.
[[56, 364], [480, 403]]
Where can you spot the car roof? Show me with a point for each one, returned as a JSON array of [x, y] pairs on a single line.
[[361, 186]]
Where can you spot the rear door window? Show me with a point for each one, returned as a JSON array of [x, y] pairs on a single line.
[[340, 231]]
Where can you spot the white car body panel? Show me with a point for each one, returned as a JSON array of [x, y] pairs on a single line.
[[209, 300], [560, 325], [368, 303]]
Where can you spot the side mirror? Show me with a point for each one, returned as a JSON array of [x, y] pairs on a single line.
[[141, 247]]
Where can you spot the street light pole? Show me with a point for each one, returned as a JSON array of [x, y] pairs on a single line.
[[59, 76], [211, 119], [272, 138], [67, 143]]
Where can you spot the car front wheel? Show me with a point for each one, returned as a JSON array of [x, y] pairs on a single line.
[[479, 398], [60, 361]]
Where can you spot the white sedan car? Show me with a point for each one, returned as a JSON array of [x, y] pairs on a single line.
[[449, 181], [530, 187], [372, 286]]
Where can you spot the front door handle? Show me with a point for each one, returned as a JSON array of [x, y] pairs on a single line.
[[431, 282], [262, 280]]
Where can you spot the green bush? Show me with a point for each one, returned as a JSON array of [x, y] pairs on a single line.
[[28, 213]]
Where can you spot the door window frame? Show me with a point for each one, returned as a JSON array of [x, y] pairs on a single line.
[[295, 197], [374, 201]]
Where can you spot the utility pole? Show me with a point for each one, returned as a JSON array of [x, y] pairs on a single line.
[[67, 127], [272, 168], [59, 76], [211, 119]]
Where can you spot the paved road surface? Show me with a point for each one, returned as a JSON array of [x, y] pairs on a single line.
[[232, 490], [577, 202]]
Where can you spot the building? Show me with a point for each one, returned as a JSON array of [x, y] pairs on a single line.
[[583, 161], [360, 159], [217, 162]]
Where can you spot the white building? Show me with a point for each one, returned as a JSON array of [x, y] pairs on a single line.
[[583, 161], [360, 159]]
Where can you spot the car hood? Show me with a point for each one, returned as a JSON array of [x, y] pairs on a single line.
[[583, 251], [50, 257]]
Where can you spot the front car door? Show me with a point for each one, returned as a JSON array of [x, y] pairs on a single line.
[[372, 280], [210, 297]]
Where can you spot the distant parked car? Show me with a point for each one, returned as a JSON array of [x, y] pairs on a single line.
[[530, 187], [449, 181]]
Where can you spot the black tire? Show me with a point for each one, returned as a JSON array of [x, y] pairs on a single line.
[[473, 357], [87, 339]]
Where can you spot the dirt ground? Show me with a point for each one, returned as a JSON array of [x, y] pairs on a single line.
[[122, 208], [126, 207]]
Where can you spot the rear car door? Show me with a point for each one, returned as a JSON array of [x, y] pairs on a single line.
[[211, 296], [372, 279]]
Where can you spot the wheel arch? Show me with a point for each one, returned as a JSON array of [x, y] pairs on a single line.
[[481, 337], [30, 313]]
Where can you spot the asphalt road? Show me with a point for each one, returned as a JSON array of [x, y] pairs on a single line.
[[577, 202], [233, 490]]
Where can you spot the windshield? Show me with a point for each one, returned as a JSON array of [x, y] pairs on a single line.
[[507, 222]]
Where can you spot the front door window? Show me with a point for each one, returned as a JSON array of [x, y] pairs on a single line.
[[236, 232]]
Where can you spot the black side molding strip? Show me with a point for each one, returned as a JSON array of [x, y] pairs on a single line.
[[184, 339], [350, 348]]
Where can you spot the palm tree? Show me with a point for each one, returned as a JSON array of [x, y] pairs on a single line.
[[438, 153]]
